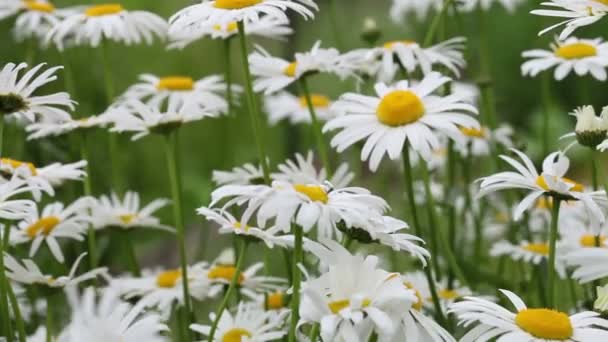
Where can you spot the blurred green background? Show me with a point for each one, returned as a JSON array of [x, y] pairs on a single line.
[[227, 142]]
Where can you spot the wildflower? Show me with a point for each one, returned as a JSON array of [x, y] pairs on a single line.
[[578, 13], [127, 213]]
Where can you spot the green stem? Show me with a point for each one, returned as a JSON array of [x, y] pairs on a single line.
[[88, 191], [409, 189], [253, 105], [17, 313], [316, 127], [171, 146], [131, 255], [231, 289], [436, 230], [5, 324], [546, 99], [297, 279], [314, 333], [49, 319], [334, 24], [430, 34], [485, 78], [228, 72], [1, 132], [552, 243]]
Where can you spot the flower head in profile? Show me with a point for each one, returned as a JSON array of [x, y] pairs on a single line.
[[17, 94], [478, 142], [127, 212], [109, 318], [11, 208], [273, 73], [40, 130], [583, 56], [528, 252], [527, 324], [551, 181], [224, 12], [302, 170], [577, 13], [93, 24], [398, 114], [590, 131], [54, 221], [285, 106], [401, 8], [54, 174], [486, 5], [35, 18], [589, 264], [247, 174], [248, 323], [267, 26]]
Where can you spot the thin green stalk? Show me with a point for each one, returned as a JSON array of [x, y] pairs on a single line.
[[231, 289], [450, 182], [552, 242], [546, 99], [171, 146], [5, 324], [316, 127], [436, 229], [17, 313], [430, 34], [297, 279], [88, 191], [409, 189], [131, 255], [485, 78], [314, 333], [228, 72], [1, 132], [334, 24], [49, 319], [253, 105]]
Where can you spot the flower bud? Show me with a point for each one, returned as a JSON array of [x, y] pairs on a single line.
[[370, 32], [590, 130]]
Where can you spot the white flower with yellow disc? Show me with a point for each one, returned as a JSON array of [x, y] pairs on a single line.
[[15, 209], [478, 142], [398, 114], [40, 130], [302, 170], [589, 264], [577, 13], [128, 212], [34, 17], [528, 252], [285, 106], [54, 174], [53, 222], [490, 320], [240, 175], [583, 56]]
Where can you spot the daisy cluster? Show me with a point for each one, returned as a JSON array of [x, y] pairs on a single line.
[[382, 232]]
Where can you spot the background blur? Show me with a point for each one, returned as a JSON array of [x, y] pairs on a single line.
[[223, 143]]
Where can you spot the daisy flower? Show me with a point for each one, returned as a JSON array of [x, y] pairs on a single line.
[[267, 26], [53, 222], [161, 289], [590, 131], [528, 252], [493, 321], [273, 74], [93, 24], [127, 213], [35, 17], [353, 290], [54, 174], [250, 284], [302, 170], [155, 91], [28, 273], [109, 318], [418, 282], [40, 130], [478, 142], [577, 13], [15, 209], [142, 119], [17, 99], [401, 8], [398, 114], [411, 55], [583, 56], [239, 175], [224, 12], [589, 264], [248, 323], [576, 234], [285, 106], [550, 181], [486, 5]]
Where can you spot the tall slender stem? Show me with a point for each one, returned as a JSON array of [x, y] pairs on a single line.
[[333, 19], [228, 72], [552, 243], [5, 324], [231, 288], [409, 189], [253, 105], [130, 251], [485, 78], [430, 34], [88, 191], [171, 146], [2, 123], [546, 99], [297, 279], [316, 126], [49, 319], [17, 314], [314, 333], [437, 230]]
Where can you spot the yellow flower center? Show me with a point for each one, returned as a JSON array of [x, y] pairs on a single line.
[[224, 272], [175, 83], [275, 301], [235, 4], [605, 2], [236, 335], [231, 27], [44, 225], [168, 279], [339, 305], [502, 217], [239, 226], [418, 305], [127, 218], [544, 203], [400, 107], [15, 164], [101, 10], [39, 6], [576, 51], [315, 193], [291, 69], [448, 294], [588, 240], [318, 101], [391, 44], [473, 132], [538, 248], [540, 181], [545, 324]]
